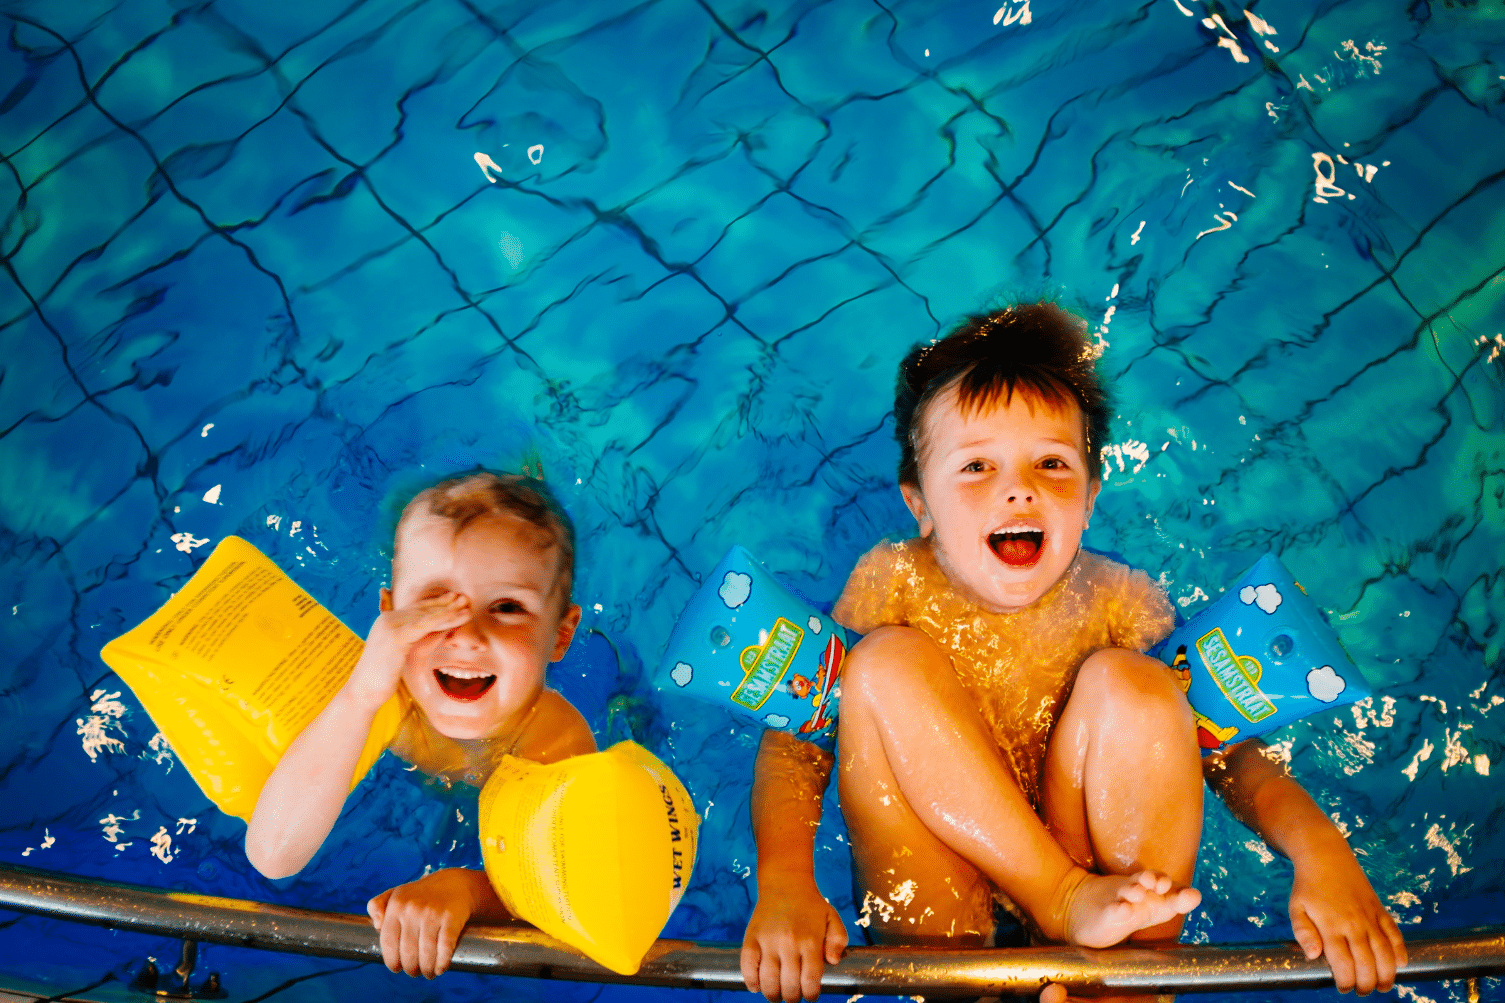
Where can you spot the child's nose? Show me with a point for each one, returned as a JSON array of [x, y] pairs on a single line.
[[1018, 488], [466, 635]]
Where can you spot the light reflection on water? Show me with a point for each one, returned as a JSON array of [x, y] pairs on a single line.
[[276, 263]]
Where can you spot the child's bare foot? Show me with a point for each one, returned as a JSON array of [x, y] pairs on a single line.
[[1106, 908]]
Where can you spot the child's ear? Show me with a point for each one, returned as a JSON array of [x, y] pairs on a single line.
[[916, 502], [1093, 487], [566, 633], [386, 600]]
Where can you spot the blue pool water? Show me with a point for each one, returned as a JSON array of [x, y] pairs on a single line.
[[293, 256]]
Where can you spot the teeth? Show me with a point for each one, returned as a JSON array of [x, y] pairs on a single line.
[[1017, 527], [460, 673]]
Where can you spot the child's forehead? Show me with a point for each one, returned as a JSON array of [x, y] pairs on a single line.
[[951, 408], [422, 536]]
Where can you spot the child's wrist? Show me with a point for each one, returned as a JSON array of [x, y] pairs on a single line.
[[783, 876], [1317, 846], [363, 698]]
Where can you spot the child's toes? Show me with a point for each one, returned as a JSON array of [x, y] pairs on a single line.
[[1186, 899]]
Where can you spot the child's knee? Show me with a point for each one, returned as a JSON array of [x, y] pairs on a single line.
[[885, 660], [1127, 683]]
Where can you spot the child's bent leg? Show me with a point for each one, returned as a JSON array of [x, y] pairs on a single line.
[[929, 799], [1123, 775]]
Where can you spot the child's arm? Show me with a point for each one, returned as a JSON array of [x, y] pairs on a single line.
[[793, 932], [420, 922], [1334, 911], [302, 798]]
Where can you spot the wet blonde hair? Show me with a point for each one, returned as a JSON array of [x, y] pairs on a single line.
[[463, 500]]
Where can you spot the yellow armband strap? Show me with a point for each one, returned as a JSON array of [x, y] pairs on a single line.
[[234, 666], [594, 850]]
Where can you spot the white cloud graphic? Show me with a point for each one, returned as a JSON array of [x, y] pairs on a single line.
[[1266, 597], [735, 588], [814, 624], [776, 721], [681, 673], [1325, 684]]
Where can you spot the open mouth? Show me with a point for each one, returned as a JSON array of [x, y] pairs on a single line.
[[463, 687], [1017, 549]]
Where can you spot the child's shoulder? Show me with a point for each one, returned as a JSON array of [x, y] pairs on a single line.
[[890, 558], [555, 731], [1105, 572], [1138, 610], [885, 581]]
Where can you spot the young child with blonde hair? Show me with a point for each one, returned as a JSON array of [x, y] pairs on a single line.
[[1003, 738], [479, 606]]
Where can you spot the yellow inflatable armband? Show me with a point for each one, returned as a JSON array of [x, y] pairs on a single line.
[[234, 666], [594, 850]]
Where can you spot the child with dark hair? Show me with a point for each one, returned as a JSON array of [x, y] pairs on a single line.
[[1003, 738], [482, 567]]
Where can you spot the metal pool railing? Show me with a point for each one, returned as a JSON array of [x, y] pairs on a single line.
[[929, 972]]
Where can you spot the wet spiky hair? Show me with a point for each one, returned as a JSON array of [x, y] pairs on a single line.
[[1036, 347]]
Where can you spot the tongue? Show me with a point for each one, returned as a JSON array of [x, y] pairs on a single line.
[[1017, 549], [464, 688]]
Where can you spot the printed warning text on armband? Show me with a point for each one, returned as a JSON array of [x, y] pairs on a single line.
[[295, 690], [209, 634], [303, 702], [164, 632]]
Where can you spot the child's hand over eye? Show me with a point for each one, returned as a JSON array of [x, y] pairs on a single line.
[[1334, 912], [790, 939], [374, 679], [420, 922]]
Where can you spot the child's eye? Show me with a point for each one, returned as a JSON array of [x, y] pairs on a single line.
[[507, 606], [1053, 463], [975, 467]]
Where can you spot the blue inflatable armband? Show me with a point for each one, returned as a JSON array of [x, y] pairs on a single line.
[[1258, 658], [746, 644]]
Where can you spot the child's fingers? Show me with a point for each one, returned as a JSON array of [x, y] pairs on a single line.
[[1306, 935], [377, 908], [1393, 935], [426, 618], [811, 967], [768, 976], [751, 958], [411, 947], [836, 938], [1384, 961], [1365, 964], [1340, 961], [444, 945], [391, 945], [790, 982], [1053, 993], [428, 948]]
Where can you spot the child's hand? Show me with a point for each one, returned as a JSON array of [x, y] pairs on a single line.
[[420, 922], [1334, 912], [375, 676], [790, 939]]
